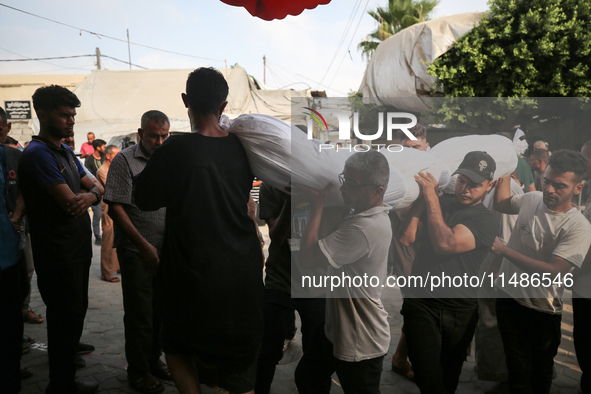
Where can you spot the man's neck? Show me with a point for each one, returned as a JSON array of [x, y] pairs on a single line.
[[207, 125], [48, 137], [96, 155], [563, 208]]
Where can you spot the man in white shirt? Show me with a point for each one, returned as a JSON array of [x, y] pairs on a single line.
[[357, 329], [551, 237]]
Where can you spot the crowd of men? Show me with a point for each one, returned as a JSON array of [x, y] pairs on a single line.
[[176, 225]]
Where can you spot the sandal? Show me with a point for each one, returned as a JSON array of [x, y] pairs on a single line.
[[29, 316], [112, 279], [161, 371], [147, 384]]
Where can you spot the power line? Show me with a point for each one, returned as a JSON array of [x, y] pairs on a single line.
[[44, 58], [123, 61], [311, 80], [343, 37], [26, 59], [105, 36], [350, 42], [52, 64]]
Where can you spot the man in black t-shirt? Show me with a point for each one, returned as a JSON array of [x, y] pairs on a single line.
[[211, 261], [439, 324]]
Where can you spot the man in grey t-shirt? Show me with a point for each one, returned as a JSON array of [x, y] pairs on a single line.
[[357, 330], [138, 239]]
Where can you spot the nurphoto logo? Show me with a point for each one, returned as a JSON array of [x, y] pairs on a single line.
[[344, 129]]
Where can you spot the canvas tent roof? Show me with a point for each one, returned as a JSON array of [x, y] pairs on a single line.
[[114, 101], [398, 68]]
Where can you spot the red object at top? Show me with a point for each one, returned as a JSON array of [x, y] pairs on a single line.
[[275, 9]]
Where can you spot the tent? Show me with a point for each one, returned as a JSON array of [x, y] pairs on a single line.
[[114, 101], [397, 72]]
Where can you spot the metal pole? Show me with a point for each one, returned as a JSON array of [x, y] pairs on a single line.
[[128, 49], [264, 69], [98, 58]]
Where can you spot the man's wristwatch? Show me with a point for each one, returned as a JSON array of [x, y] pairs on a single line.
[[97, 195]]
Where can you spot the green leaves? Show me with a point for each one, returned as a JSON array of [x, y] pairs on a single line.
[[398, 15], [536, 48]]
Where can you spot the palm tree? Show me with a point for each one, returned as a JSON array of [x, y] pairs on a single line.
[[399, 15]]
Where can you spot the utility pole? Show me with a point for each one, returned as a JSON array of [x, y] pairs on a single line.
[[128, 49], [98, 58], [264, 69]]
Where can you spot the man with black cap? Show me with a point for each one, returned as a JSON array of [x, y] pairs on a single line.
[[439, 323]]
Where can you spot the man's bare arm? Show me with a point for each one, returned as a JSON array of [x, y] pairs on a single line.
[[411, 225], [556, 265], [502, 200], [445, 240], [148, 253]]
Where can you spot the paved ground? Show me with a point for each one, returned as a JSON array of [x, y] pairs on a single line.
[[104, 329]]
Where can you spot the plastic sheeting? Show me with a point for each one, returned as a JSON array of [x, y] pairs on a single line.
[[453, 150], [397, 71], [281, 155], [410, 162]]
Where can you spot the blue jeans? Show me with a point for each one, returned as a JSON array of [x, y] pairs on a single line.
[[96, 220]]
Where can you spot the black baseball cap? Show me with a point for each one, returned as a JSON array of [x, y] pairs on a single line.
[[478, 167]]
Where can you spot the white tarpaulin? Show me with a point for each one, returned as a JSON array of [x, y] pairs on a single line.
[[114, 101], [397, 70]]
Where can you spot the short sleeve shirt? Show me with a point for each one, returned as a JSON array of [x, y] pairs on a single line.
[[540, 233], [55, 234], [356, 321], [129, 163], [87, 149], [482, 224], [8, 237]]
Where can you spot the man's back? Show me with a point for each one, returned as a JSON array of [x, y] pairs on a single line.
[[211, 256]]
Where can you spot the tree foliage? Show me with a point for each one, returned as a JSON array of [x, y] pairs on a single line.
[[522, 48], [398, 15]]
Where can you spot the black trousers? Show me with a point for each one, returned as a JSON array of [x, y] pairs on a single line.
[[64, 289], [438, 341], [531, 340], [279, 314], [582, 337], [142, 327], [11, 329], [362, 377]]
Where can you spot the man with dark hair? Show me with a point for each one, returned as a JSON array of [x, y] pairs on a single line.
[[538, 160], [93, 162], [439, 324], [551, 237], [109, 262], [211, 262], [420, 143], [138, 239], [357, 332], [87, 148], [51, 180], [582, 293], [11, 324]]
